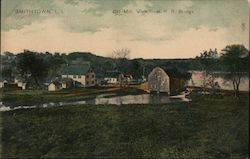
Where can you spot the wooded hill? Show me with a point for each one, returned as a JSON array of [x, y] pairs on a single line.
[[50, 65]]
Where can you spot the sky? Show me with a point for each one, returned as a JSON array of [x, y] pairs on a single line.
[[148, 28]]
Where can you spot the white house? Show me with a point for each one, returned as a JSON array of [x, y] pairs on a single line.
[[112, 77], [127, 78], [81, 73]]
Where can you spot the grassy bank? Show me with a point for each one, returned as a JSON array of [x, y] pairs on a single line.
[[30, 97], [206, 127]]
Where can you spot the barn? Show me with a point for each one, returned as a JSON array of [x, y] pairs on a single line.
[[169, 81], [158, 81]]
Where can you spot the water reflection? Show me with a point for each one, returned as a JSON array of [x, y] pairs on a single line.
[[104, 99], [135, 99]]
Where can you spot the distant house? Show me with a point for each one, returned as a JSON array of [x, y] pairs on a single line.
[[168, 82], [112, 77], [126, 79], [3, 82], [54, 86], [81, 73], [11, 84], [11, 87], [20, 83]]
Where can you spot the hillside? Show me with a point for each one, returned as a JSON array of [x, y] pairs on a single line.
[[101, 64], [137, 67]]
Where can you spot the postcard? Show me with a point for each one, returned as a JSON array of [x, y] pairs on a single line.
[[124, 79]]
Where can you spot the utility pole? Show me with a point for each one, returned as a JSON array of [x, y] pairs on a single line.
[[67, 71], [143, 73]]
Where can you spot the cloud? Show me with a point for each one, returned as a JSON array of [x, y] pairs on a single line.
[[49, 36], [91, 15], [11, 20], [90, 25]]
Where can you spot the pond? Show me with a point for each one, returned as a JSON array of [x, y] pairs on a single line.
[[105, 99]]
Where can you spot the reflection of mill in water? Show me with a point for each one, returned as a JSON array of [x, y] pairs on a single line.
[[104, 99]]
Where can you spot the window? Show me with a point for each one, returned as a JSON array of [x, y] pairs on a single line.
[[87, 83], [79, 76], [74, 76], [93, 76], [87, 76], [93, 82]]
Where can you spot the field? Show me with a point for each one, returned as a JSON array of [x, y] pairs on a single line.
[[207, 127]]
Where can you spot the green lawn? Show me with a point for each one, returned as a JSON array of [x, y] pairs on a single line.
[[207, 127]]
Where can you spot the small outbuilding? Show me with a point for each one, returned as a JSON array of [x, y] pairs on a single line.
[[2, 83], [54, 86]]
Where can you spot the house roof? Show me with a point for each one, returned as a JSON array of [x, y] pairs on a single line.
[[57, 83], [76, 69], [112, 74]]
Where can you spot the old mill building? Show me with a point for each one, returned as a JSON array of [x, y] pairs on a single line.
[[161, 81]]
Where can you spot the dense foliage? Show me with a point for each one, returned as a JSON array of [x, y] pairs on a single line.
[[235, 59]]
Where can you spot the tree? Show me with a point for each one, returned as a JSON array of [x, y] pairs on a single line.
[[235, 59], [54, 63], [120, 57], [123, 53], [135, 68], [7, 73], [108, 65], [209, 61], [32, 64]]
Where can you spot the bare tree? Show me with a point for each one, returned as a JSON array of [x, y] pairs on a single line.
[[120, 56], [123, 53]]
